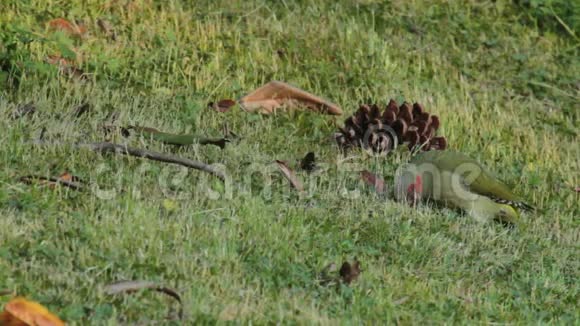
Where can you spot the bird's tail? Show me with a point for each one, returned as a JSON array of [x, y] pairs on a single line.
[[517, 204]]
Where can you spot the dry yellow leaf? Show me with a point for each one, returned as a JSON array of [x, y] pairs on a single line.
[[6, 319], [22, 312]]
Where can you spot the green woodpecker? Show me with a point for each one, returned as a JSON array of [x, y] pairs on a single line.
[[460, 182]]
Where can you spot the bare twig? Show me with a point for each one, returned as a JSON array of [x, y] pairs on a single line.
[[132, 286], [106, 147], [55, 180]]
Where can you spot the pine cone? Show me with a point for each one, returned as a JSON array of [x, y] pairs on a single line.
[[369, 128]]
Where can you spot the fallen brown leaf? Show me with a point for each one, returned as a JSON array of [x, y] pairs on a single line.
[[226, 104], [373, 180], [22, 312], [275, 95], [350, 272], [290, 175], [133, 286], [222, 106]]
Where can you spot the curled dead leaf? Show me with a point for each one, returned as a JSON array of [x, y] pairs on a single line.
[[276, 95], [226, 104], [222, 106], [22, 312], [289, 174], [133, 286]]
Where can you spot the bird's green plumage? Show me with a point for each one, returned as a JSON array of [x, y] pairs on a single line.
[[459, 181]]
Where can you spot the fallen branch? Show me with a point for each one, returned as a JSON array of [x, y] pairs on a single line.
[[132, 286], [106, 147], [178, 140], [29, 179]]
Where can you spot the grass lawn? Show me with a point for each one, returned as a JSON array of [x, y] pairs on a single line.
[[501, 75]]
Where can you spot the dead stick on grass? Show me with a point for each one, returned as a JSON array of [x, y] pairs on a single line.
[[107, 147], [29, 179]]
